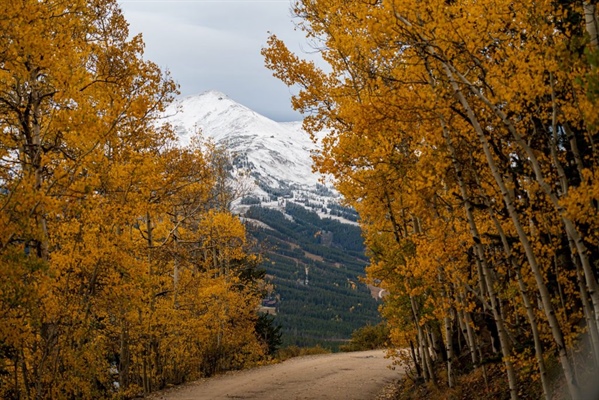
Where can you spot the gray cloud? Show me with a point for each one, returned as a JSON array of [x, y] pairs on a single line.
[[215, 45]]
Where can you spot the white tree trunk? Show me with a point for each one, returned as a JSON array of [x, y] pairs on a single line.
[[488, 279], [530, 255], [592, 25]]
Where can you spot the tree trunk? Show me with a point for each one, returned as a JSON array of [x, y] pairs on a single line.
[[449, 348], [489, 284], [532, 320], [531, 257], [464, 316], [176, 266], [588, 310], [423, 345], [592, 25], [416, 362], [582, 251]]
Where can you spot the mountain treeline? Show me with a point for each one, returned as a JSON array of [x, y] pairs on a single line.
[[121, 269], [465, 134], [311, 228], [317, 293]]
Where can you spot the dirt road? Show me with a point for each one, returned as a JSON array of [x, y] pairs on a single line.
[[340, 376]]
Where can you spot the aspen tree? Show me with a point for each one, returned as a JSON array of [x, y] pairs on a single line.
[[88, 177], [513, 86]]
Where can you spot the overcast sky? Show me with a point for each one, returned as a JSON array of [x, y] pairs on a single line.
[[215, 45]]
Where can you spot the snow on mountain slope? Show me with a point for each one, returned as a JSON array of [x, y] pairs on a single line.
[[278, 152], [271, 160]]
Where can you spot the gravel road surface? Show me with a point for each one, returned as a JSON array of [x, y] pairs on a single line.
[[340, 376]]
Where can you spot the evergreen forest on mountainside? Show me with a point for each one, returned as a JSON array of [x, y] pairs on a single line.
[[325, 306]]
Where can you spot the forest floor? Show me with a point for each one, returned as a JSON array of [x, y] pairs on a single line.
[[489, 383], [470, 386], [350, 376]]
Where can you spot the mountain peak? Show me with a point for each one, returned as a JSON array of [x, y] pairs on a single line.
[[205, 102], [215, 94], [276, 157]]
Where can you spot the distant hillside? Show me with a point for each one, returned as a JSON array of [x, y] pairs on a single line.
[[314, 264]]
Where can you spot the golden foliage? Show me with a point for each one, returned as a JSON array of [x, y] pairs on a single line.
[[465, 133], [120, 270]]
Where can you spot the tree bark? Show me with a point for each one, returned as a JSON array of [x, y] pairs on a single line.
[[176, 266], [449, 347], [591, 23], [489, 284], [530, 255], [466, 320], [532, 320], [423, 345]]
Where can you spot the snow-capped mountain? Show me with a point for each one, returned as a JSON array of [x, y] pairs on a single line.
[[278, 152], [274, 158]]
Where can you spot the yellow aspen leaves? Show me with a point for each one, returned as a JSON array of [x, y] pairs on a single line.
[[462, 133], [121, 269]]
